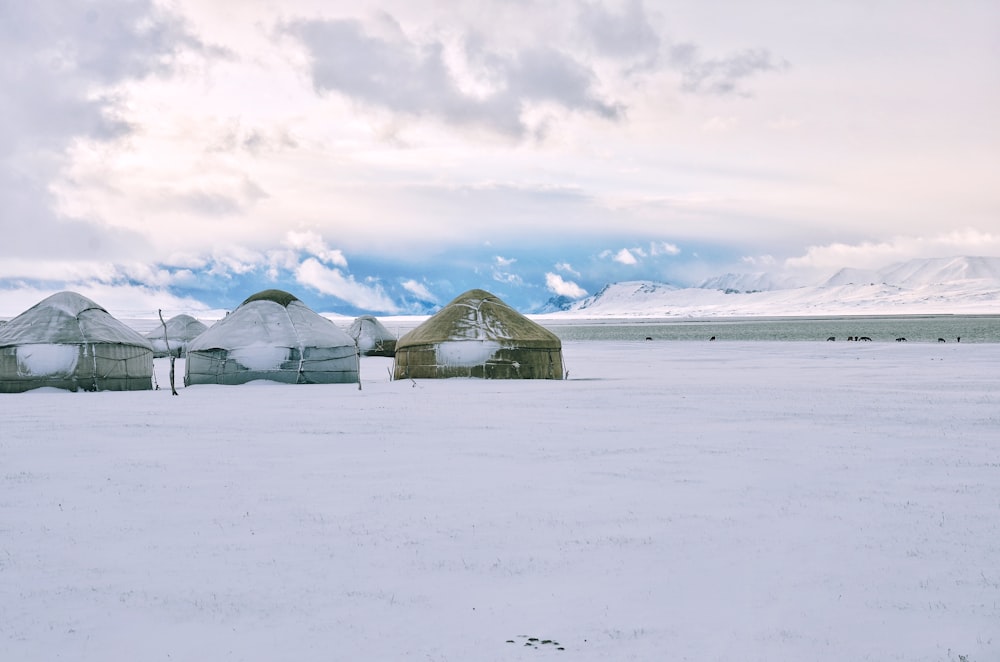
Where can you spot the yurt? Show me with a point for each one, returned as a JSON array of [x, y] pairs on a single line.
[[272, 335], [180, 330], [68, 341], [478, 335], [372, 337]]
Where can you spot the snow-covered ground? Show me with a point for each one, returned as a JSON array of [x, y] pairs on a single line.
[[670, 501]]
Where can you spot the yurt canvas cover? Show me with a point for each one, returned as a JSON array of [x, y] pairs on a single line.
[[68, 341], [372, 337], [181, 329], [478, 335], [272, 335]]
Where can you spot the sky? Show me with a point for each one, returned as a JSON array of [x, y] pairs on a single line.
[[385, 157]]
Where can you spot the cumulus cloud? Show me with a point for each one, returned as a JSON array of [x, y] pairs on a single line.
[[418, 290], [233, 260], [332, 281], [403, 75], [557, 285], [313, 244], [625, 256]]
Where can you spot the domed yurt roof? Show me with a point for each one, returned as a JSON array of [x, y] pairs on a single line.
[[68, 318], [480, 315], [272, 317], [181, 329], [478, 335], [372, 337], [272, 335]]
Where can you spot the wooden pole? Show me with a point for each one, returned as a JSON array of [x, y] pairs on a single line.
[[173, 390]]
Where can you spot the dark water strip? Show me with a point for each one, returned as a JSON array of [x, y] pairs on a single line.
[[914, 328]]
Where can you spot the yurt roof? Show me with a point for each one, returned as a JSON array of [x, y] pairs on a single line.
[[68, 318], [370, 324], [480, 315], [183, 327], [279, 297], [271, 318]]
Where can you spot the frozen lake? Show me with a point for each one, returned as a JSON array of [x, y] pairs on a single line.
[[697, 500], [886, 328]]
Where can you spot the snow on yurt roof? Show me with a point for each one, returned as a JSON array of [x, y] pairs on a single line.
[[179, 327], [480, 315], [368, 326], [68, 318], [272, 318]]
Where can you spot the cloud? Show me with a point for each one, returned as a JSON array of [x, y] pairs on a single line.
[[313, 244], [299, 244], [877, 254], [500, 271], [663, 248], [568, 268], [625, 256], [630, 34], [64, 63], [418, 290], [312, 273], [625, 34], [721, 76], [402, 75], [555, 284], [124, 301], [232, 260], [718, 124], [758, 261]]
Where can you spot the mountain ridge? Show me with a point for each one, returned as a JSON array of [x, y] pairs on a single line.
[[957, 285]]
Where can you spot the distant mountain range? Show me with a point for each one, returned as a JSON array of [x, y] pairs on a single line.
[[959, 285]]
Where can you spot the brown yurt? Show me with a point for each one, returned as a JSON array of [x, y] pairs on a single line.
[[478, 335]]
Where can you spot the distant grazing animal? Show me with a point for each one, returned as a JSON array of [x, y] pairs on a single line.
[[900, 339], [712, 338], [649, 337], [941, 340], [866, 338], [831, 339], [958, 339]]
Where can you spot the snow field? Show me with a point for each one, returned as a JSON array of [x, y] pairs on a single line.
[[695, 500]]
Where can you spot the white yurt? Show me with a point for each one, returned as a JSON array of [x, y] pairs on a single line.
[[272, 335], [372, 337], [68, 341], [180, 330]]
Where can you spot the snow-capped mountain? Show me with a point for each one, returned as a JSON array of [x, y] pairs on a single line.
[[637, 293], [755, 282], [961, 285]]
